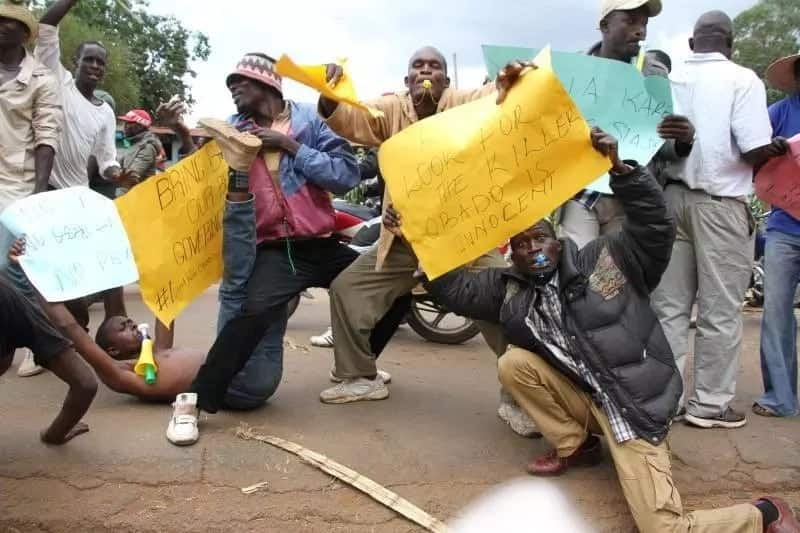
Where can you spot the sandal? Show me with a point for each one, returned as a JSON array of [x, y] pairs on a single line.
[[760, 410]]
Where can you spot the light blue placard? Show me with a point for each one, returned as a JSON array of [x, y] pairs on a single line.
[[76, 244], [610, 94]]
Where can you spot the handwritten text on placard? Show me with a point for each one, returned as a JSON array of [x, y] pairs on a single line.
[[174, 221], [76, 244], [466, 180]]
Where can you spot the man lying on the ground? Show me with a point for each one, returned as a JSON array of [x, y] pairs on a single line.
[[589, 357], [117, 345], [24, 325]]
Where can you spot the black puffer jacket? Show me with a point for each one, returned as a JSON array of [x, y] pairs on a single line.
[[605, 293]]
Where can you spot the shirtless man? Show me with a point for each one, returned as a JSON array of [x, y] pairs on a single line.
[[116, 349], [118, 343]]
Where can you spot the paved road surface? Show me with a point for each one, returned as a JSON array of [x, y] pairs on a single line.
[[436, 441]]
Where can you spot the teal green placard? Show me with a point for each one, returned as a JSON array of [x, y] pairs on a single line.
[[611, 94]]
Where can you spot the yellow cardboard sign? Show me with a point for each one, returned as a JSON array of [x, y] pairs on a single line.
[[315, 76], [466, 180], [174, 223]]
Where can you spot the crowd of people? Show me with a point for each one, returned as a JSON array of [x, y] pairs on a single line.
[[589, 323]]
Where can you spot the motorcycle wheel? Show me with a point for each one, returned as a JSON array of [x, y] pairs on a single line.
[[436, 324]]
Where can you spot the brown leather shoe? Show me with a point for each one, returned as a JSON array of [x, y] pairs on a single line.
[[589, 454], [786, 522]]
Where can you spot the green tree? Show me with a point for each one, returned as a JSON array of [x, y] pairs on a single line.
[[766, 32], [156, 49]]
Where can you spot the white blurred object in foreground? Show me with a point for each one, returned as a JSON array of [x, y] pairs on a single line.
[[520, 507]]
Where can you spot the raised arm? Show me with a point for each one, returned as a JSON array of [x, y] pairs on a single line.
[[358, 125], [170, 114], [48, 47], [643, 248], [57, 11]]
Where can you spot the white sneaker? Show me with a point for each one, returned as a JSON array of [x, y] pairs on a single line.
[[355, 390], [182, 429], [511, 413], [384, 375], [323, 341], [28, 366]]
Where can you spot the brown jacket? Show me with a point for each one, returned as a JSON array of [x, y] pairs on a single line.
[[361, 127]]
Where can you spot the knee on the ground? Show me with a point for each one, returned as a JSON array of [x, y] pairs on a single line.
[[250, 396], [251, 390]]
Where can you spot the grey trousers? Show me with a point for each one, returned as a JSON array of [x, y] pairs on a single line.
[[585, 225], [360, 295], [711, 263]]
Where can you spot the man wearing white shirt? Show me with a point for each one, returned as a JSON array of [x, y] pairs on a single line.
[[713, 252], [89, 123]]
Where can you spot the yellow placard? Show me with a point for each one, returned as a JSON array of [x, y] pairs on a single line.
[[315, 76], [174, 223], [466, 180]]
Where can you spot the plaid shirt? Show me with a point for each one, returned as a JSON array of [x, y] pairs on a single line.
[[544, 321]]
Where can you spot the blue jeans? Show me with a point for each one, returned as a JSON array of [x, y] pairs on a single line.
[[779, 325], [260, 377]]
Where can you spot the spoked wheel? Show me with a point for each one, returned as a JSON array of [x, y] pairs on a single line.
[[436, 324]]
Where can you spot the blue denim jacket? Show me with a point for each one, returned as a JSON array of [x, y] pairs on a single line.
[[297, 203]]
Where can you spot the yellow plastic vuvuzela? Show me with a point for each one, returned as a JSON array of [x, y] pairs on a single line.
[[146, 365]]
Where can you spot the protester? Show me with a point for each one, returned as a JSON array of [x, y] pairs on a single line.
[[781, 265], [89, 124], [142, 147], [25, 325], [30, 122], [623, 25], [118, 339], [365, 290], [589, 357], [30, 114], [713, 253], [300, 161]]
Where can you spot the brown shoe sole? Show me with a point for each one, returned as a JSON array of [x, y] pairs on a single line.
[[238, 148]]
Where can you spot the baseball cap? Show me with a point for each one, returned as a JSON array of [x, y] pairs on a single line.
[[607, 6], [137, 116]]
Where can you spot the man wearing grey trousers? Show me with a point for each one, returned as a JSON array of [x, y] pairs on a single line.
[[713, 252]]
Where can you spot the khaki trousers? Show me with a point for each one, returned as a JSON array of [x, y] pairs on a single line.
[[564, 414], [711, 264], [361, 295]]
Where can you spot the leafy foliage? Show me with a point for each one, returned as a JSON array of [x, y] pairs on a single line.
[[766, 32]]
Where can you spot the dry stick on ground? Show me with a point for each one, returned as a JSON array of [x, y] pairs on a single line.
[[352, 478]]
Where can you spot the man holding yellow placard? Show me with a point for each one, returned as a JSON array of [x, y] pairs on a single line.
[[366, 289]]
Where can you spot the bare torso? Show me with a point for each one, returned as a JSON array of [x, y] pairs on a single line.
[[177, 367]]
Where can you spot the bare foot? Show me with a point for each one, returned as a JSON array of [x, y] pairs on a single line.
[[79, 429]]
